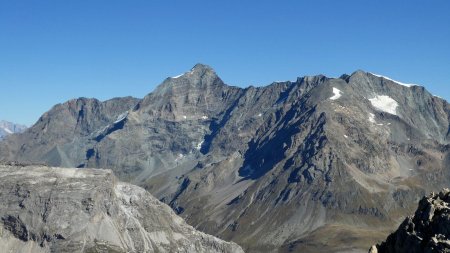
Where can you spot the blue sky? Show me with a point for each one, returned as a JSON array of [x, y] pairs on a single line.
[[52, 51]]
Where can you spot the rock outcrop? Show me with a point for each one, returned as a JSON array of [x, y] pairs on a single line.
[[428, 231], [45, 209]]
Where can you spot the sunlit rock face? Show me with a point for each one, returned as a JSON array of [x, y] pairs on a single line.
[[44, 209]]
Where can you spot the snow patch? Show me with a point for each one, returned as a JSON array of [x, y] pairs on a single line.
[[7, 130], [259, 115], [337, 94], [103, 130], [204, 117], [121, 117], [403, 84], [175, 77], [385, 104], [180, 75], [184, 117], [372, 118], [199, 145], [346, 137]]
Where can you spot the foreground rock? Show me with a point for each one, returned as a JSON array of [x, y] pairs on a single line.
[[45, 209], [427, 231]]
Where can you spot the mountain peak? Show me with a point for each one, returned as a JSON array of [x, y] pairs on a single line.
[[200, 87], [199, 70], [359, 72], [201, 67]]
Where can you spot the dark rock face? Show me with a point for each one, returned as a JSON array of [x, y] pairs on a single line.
[[427, 231], [286, 167], [45, 209]]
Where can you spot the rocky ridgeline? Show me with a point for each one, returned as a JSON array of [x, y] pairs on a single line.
[[427, 231], [45, 209]]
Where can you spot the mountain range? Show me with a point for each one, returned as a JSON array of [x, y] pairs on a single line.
[[7, 128], [317, 164]]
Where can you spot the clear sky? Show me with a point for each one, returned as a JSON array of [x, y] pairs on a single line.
[[52, 51]]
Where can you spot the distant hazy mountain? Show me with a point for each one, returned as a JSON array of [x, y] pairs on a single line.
[[7, 128], [313, 165]]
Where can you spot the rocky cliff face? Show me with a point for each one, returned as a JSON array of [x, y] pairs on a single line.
[[45, 209], [427, 231], [313, 165]]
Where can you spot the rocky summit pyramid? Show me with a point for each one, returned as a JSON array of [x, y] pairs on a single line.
[[45, 209], [313, 165]]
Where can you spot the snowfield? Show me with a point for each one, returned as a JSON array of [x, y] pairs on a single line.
[[337, 94], [384, 103]]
